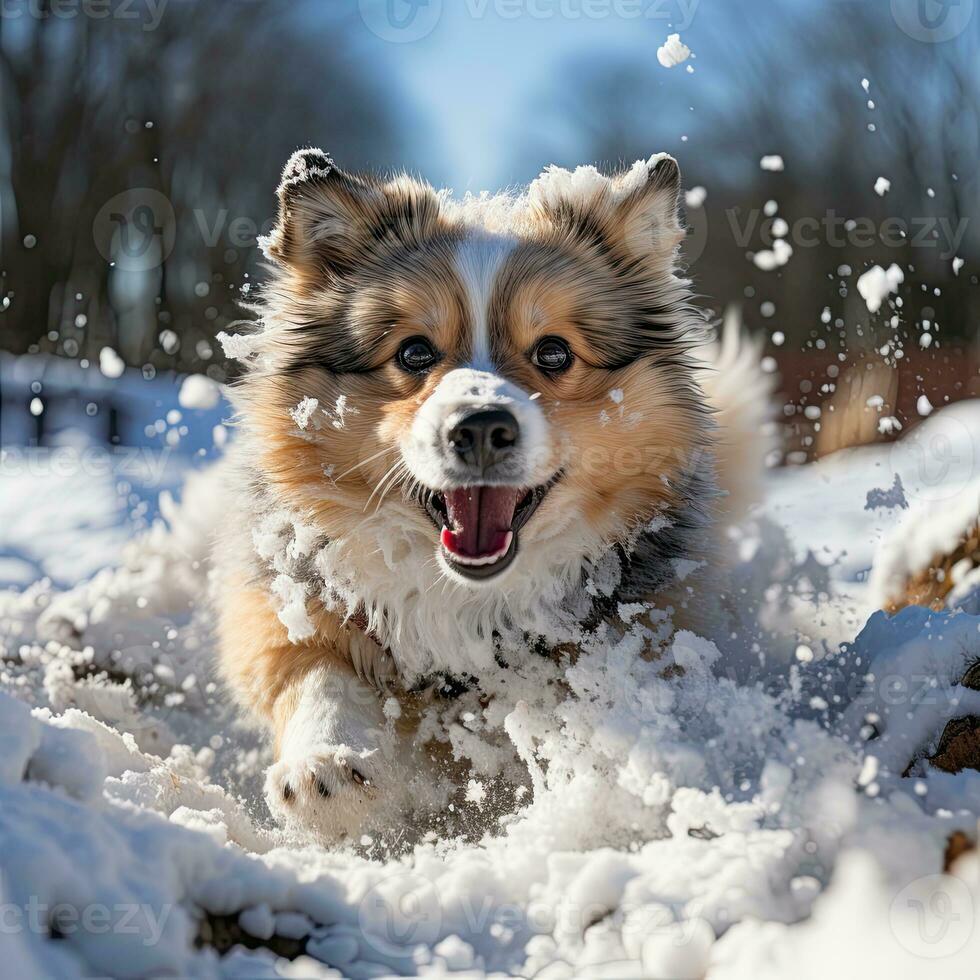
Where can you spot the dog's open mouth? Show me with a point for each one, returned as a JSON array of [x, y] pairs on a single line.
[[479, 526]]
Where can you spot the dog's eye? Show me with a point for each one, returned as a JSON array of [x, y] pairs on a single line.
[[417, 354], [552, 354]]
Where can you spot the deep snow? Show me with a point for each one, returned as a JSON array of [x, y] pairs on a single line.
[[738, 820]]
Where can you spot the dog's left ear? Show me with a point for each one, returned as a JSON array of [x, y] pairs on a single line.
[[648, 212], [636, 211], [330, 222]]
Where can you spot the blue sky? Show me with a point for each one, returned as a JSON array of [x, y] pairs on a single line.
[[475, 76]]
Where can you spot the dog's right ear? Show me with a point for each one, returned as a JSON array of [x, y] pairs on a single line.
[[330, 222]]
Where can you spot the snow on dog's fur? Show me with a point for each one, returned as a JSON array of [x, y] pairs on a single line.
[[469, 431]]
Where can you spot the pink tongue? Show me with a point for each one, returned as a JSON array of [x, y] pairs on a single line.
[[479, 519]]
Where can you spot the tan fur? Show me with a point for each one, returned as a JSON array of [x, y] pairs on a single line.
[[931, 586], [266, 667]]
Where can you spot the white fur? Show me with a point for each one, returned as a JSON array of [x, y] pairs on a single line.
[[430, 622], [556, 185], [505, 213], [478, 262], [426, 451], [740, 393], [338, 729]]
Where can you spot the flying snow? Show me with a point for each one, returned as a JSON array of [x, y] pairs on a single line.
[[199, 391], [875, 284], [110, 363], [673, 51]]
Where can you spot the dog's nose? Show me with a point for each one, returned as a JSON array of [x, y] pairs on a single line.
[[484, 437]]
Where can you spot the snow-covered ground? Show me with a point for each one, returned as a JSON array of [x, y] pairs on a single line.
[[765, 813]]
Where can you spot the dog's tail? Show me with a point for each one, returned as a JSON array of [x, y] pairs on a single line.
[[740, 393]]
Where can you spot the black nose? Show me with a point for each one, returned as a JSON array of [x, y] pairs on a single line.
[[484, 437]]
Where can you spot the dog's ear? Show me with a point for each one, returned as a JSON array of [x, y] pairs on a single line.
[[648, 215], [331, 222], [637, 212]]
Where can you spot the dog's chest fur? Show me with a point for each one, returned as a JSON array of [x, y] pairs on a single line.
[[381, 580]]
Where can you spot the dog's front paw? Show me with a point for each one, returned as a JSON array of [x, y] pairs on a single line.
[[329, 791]]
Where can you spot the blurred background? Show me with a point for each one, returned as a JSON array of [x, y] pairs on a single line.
[[141, 142]]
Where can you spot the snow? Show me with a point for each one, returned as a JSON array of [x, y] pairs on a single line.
[[302, 414], [882, 186], [875, 285], [673, 51], [727, 817], [927, 530], [778, 255], [110, 363], [239, 346], [199, 391], [772, 162], [695, 197]]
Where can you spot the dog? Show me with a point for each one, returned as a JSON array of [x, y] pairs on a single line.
[[468, 431]]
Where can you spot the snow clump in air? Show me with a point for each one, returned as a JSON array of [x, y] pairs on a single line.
[[199, 391], [673, 51], [875, 284]]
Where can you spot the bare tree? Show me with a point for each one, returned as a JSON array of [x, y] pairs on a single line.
[[139, 159]]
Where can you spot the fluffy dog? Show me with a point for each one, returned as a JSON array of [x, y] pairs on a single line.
[[469, 431]]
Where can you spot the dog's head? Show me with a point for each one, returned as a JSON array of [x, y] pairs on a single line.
[[505, 378]]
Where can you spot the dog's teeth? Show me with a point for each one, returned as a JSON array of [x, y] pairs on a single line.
[[485, 559]]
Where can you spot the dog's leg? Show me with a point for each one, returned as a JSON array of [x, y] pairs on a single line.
[[341, 767]]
